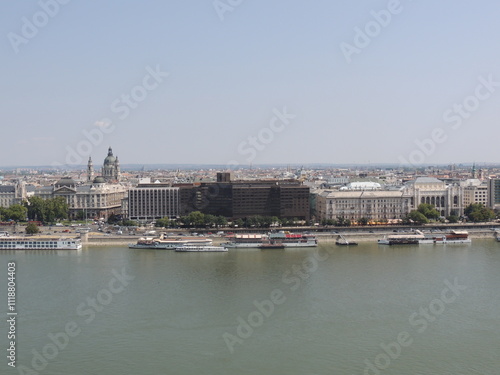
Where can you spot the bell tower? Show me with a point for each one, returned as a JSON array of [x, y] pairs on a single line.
[[90, 170]]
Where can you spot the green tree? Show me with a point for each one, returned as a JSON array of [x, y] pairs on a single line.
[[452, 219], [239, 223], [162, 223], [80, 215], [184, 220], [113, 219], [16, 212], [32, 228], [477, 212], [418, 217], [343, 222], [209, 220], [129, 223], [428, 210], [36, 208], [196, 219], [363, 221], [220, 221], [59, 207], [3, 213], [266, 221], [46, 210]]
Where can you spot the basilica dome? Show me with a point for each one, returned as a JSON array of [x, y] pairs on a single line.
[[110, 159]]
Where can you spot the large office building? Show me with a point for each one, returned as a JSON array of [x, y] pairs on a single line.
[[153, 201], [240, 199], [494, 193]]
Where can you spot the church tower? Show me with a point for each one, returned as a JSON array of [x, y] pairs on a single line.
[[90, 170], [111, 167], [117, 169]]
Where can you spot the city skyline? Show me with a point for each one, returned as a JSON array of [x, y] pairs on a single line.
[[327, 83]]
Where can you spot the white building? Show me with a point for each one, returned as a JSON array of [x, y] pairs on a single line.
[[354, 205], [448, 199], [12, 194], [389, 205], [97, 199], [153, 201], [475, 191]]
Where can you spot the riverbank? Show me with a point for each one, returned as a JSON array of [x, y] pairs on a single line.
[[373, 237], [119, 240]]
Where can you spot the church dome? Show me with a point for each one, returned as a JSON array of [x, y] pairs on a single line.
[[66, 181], [110, 159], [99, 180]]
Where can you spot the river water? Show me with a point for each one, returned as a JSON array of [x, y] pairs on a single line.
[[369, 309]]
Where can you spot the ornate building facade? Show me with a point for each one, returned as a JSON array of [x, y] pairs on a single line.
[[95, 200], [390, 205], [448, 199], [12, 194]]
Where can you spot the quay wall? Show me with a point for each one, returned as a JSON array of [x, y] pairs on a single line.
[[322, 238], [373, 237]]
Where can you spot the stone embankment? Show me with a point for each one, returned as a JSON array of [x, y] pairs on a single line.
[[373, 237], [121, 240]]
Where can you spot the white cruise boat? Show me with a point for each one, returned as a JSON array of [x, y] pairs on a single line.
[[39, 243], [453, 237], [245, 240], [197, 248], [294, 239], [285, 238], [169, 243]]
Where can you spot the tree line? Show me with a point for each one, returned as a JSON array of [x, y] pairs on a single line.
[[36, 209], [426, 213], [197, 219]]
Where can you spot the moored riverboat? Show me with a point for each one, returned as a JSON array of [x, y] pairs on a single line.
[[200, 248], [453, 237], [39, 243]]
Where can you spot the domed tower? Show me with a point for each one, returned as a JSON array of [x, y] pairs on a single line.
[[90, 170], [109, 167]]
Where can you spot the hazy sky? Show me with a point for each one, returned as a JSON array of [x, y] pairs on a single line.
[[284, 81]]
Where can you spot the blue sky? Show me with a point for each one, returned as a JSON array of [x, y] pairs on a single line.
[[228, 78]]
